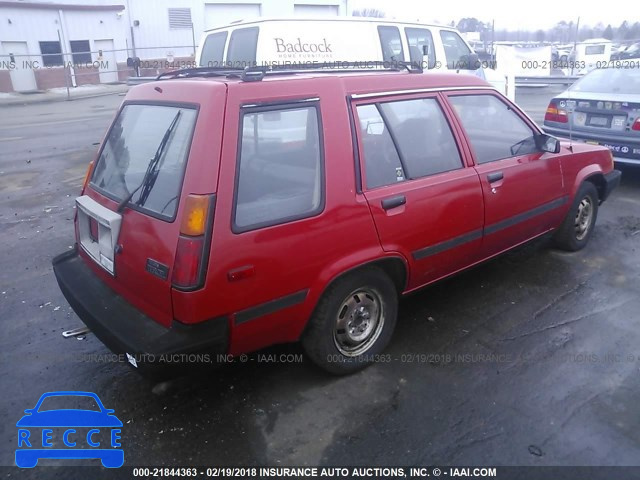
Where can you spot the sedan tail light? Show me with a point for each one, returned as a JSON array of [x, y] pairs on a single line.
[[192, 251], [636, 125], [555, 114]]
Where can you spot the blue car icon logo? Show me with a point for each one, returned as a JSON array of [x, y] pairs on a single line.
[[88, 431]]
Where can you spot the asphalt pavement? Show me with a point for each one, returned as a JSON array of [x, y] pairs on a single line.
[[530, 359]]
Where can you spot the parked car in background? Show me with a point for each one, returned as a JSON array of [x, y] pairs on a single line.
[[602, 108], [279, 207], [631, 51]]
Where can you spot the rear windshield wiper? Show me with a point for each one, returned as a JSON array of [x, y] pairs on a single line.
[[151, 174]]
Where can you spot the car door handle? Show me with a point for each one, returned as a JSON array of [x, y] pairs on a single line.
[[393, 202], [494, 177]]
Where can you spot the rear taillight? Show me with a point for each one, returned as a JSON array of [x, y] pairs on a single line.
[[190, 266], [636, 125], [87, 176], [555, 114]]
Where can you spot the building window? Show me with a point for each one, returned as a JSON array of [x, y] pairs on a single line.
[[81, 51], [51, 54], [179, 18]]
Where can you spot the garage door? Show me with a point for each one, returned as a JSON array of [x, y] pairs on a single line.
[[315, 10], [219, 14]]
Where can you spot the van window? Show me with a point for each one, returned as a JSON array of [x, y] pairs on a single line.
[[135, 139], [280, 168], [423, 136], [242, 47], [494, 129], [381, 160], [213, 50], [391, 44], [455, 50], [594, 50], [417, 38]]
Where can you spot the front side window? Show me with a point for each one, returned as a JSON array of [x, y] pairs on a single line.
[[391, 44], [243, 46], [494, 129], [280, 168], [145, 155], [455, 50]]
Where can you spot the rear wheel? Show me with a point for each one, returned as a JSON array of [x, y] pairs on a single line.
[[577, 228], [353, 322]]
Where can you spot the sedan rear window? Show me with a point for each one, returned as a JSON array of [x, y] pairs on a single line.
[[609, 80], [144, 157]]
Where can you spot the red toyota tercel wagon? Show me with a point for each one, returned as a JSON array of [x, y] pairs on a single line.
[[229, 211]]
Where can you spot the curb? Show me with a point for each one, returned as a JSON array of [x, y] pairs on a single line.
[[11, 102]]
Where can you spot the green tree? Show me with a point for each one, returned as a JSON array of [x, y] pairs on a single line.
[[608, 33]]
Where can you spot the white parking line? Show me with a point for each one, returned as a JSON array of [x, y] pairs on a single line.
[[8, 139]]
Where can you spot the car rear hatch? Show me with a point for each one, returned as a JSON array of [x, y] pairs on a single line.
[[130, 226]]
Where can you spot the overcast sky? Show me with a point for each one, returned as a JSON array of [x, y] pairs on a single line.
[[510, 15]]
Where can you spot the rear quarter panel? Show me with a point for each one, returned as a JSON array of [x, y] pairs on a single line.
[[302, 255]]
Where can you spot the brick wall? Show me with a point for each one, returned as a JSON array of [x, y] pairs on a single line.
[[55, 77]]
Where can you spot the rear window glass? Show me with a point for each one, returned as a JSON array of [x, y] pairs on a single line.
[[144, 136], [280, 173], [213, 49], [609, 80]]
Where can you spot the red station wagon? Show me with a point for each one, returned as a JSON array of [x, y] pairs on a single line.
[[229, 211]]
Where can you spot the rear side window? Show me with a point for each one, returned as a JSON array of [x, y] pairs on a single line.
[[406, 139], [280, 172], [213, 50], [423, 136], [494, 129], [242, 47], [455, 50], [381, 160], [146, 138], [391, 44]]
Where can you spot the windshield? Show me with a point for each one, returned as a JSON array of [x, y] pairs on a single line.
[[609, 80], [132, 144]]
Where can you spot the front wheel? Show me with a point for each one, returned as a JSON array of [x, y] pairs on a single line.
[[577, 228], [353, 322]]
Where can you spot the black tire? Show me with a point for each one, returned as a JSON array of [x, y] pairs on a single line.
[[351, 301], [571, 236]]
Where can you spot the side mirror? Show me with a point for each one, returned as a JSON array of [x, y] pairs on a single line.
[[547, 143]]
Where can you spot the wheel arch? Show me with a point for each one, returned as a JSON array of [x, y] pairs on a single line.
[[395, 266]]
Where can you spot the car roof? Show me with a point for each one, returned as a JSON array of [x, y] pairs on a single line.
[[351, 82]]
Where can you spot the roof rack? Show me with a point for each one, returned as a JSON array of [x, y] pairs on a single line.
[[257, 73]]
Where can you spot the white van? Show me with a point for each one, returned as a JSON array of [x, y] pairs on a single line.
[[340, 41], [592, 53]]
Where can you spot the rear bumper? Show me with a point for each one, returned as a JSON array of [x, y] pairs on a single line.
[[122, 327], [611, 182], [624, 149]]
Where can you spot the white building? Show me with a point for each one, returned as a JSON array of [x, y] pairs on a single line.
[[74, 42]]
